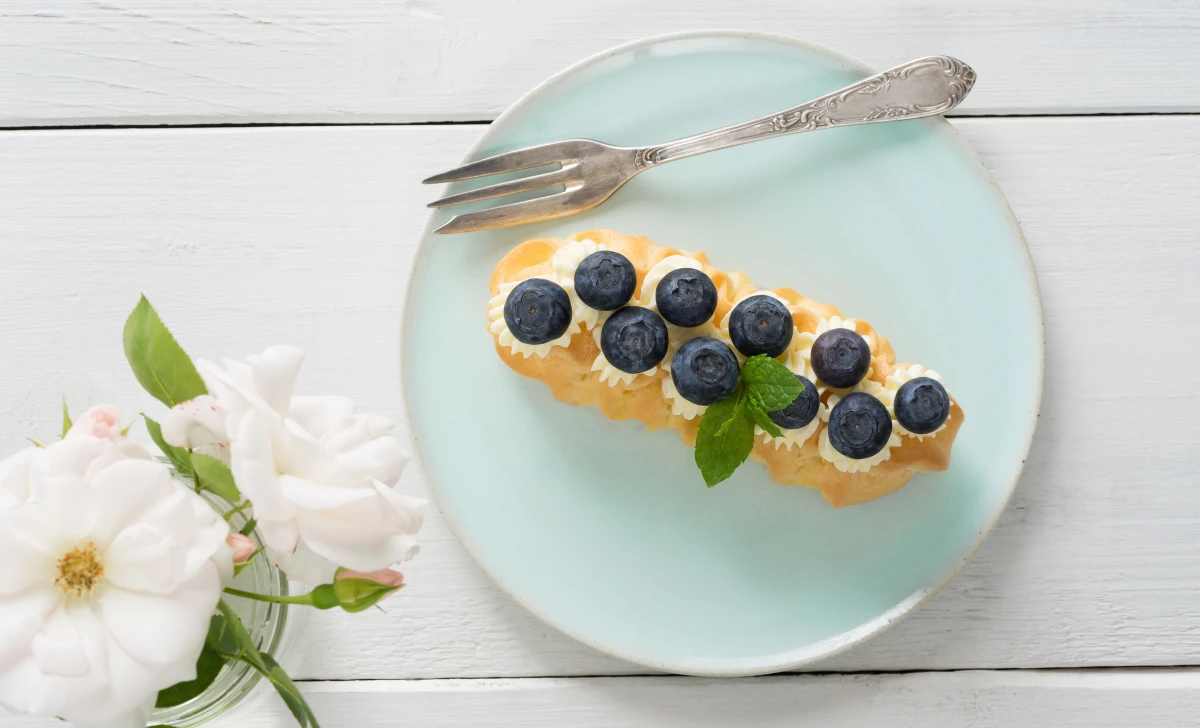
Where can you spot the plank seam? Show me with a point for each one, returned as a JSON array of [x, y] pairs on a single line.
[[829, 673], [485, 122]]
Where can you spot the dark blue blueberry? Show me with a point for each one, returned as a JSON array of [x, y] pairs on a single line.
[[705, 371], [537, 311], [802, 410], [605, 280], [686, 297], [922, 405], [634, 339], [859, 426], [761, 325], [841, 358]]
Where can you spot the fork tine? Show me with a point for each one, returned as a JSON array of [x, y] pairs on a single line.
[[558, 177], [507, 162], [517, 213]]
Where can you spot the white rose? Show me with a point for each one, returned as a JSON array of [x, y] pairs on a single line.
[[319, 476], [81, 453], [110, 573], [101, 421]]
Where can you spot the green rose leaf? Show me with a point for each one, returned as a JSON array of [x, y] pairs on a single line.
[[239, 568], [180, 458], [215, 477], [247, 652], [724, 441], [772, 385], [220, 637], [66, 417], [207, 668], [158, 361], [290, 693]]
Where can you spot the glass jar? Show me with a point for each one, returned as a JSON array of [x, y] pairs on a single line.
[[267, 624]]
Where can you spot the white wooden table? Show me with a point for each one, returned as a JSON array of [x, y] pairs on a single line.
[[283, 204]]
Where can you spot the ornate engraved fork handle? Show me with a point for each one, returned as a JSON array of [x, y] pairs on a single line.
[[924, 87]]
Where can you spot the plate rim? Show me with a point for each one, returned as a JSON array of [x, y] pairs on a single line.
[[816, 651]]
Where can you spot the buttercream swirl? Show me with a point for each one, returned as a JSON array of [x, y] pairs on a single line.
[[799, 358], [658, 272], [677, 336], [840, 461], [499, 327], [680, 407], [609, 374], [563, 264], [790, 438], [892, 384], [723, 330]]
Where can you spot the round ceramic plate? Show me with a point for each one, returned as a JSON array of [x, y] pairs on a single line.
[[605, 530]]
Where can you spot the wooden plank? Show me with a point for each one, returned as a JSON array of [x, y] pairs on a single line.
[[72, 62], [1063, 699], [247, 237]]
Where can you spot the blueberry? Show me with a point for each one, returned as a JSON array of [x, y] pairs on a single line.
[[605, 280], [841, 358], [859, 426], [801, 411], [705, 371], [537, 311], [922, 405], [634, 339], [686, 297], [761, 325]]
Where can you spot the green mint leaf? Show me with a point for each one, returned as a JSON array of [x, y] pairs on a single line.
[[772, 385], [725, 439], [207, 668], [180, 458], [215, 477], [159, 363], [66, 417], [728, 421], [739, 408], [763, 420]]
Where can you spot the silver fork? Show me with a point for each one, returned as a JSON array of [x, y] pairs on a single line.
[[591, 171]]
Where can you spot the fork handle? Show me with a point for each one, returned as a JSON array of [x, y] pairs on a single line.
[[924, 87]]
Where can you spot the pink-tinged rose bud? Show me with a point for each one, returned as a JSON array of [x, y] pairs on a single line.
[[355, 591], [243, 548], [386, 577], [101, 421]]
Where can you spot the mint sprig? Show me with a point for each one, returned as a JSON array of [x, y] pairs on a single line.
[[726, 434], [725, 439], [772, 385]]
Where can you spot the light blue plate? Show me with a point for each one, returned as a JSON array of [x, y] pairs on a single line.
[[606, 531]]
